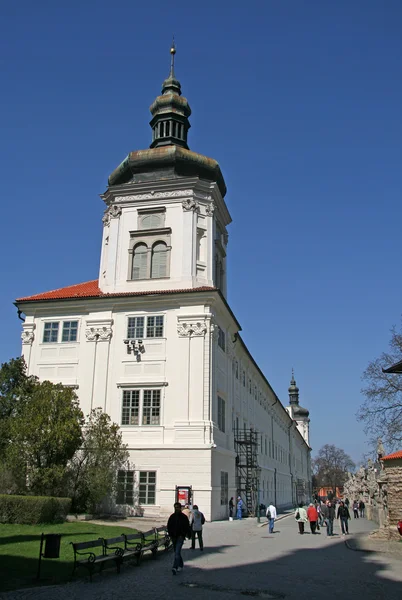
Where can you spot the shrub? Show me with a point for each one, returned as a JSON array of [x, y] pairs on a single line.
[[30, 510]]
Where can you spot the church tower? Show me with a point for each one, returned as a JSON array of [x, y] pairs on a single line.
[[165, 219], [299, 414]]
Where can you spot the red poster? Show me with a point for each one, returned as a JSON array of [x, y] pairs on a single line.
[[182, 496]]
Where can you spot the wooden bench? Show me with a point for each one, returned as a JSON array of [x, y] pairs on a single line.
[[162, 537], [92, 558]]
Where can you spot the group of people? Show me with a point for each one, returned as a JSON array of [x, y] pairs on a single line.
[[239, 508], [322, 513], [184, 523]]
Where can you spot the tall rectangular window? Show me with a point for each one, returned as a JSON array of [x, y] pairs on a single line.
[[155, 327], [131, 407], [51, 332], [70, 329], [221, 414], [151, 407], [224, 488], [135, 328], [147, 487], [221, 339], [125, 487]]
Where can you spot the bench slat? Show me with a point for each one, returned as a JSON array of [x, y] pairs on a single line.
[[84, 545]]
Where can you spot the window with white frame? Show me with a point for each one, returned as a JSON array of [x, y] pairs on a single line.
[[145, 327], [51, 331], [125, 487], [221, 414], [147, 487], [70, 330], [141, 407], [224, 488], [221, 339]]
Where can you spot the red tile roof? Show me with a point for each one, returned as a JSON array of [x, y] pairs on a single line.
[[90, 289], [397, 454]]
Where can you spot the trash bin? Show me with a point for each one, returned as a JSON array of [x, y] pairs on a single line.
[[52, 545]]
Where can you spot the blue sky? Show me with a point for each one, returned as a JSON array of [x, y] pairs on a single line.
[[300, 102]]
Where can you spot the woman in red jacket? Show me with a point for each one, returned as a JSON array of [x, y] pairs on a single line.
[[312, 516]]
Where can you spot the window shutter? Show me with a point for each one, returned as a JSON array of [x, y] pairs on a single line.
[[159, 260], [140, 262]]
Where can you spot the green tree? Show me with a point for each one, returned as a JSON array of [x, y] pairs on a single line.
[[331, 466], [15, 387], [93, 469], [381, 412], [44, 436]]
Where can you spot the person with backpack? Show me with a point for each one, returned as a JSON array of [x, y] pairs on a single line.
[[197, 520], [271, 516]]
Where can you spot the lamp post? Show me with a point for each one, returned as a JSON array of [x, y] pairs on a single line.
[[257, 474]]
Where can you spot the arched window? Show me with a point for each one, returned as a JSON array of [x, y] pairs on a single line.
[[159, 260], [140, 256]]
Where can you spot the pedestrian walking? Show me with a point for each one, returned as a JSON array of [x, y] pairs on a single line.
[[362, 506], [239, 513], [271, 516], [320, 519], [197, 520], [178, 527], [312, 516], [231, 509], [344, 516], [356, 509], [347, 503], [330, 519], [186, 511], [301, 517]]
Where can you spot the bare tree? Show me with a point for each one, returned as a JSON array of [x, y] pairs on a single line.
[[331, 467], [381, 412]]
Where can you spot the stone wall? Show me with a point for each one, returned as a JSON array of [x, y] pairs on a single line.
[[393, 476]]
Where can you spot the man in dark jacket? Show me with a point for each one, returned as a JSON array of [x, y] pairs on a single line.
[[330, 519], [178, 529], [343, 515]]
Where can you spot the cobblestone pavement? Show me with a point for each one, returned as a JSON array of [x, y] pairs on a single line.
[[242, 559]]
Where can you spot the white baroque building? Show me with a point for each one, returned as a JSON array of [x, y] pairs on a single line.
[[154, 343]]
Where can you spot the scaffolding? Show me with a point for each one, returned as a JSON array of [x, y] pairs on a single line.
[[247, 469]]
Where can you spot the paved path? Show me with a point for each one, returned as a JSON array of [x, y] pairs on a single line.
[[241, 558]]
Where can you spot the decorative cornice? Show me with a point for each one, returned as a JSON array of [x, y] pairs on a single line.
[[112, 212], [155, 195], [191, 327], [190, 204], [27, 334]]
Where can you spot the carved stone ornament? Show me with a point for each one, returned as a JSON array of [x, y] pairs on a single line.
[[190, 204], [113, 212], [27, 334], [225, 238], [155, 195], [209, 209], [98, 334], [191, 328], [214, 331]]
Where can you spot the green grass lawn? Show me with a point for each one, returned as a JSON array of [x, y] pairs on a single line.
[[19, 552]]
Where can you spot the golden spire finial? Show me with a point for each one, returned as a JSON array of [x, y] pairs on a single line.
[[172, 53]]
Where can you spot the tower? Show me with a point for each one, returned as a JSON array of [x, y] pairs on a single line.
[[299, 414], [165, 220]]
